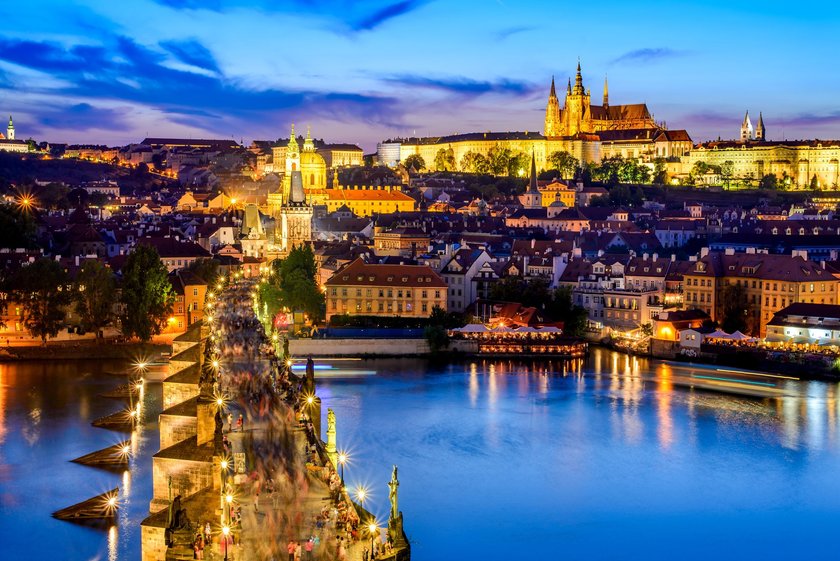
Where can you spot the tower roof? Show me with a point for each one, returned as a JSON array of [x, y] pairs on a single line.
[[296, 194], [553, 93], [578, 82], [292, 139], [760, 120], [532, 187], [606, 92], [746, 122]]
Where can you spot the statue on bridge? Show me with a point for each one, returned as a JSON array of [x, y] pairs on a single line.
[[309, 381], [392, 494]]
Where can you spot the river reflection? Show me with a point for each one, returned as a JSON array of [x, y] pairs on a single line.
[[45, 414], [608, 457], [600, 458]]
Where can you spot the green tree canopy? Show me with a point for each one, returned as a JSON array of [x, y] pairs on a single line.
[[17, 227], [95, 289], [42, 291], [473, 162], [498, 159], [147, 294], [293, 284], [415, 161], [564, 163], [445, 159], [206, 269], [769, 181]]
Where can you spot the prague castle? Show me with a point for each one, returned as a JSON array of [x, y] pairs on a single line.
[[589, 132]]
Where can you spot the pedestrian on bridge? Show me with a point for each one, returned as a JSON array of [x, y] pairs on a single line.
[[290, 547]]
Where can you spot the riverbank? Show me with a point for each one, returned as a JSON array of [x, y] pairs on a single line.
[[82, 351]]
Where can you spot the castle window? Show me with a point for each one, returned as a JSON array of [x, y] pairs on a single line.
[[312, 179]]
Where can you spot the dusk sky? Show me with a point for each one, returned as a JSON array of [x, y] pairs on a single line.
[[100, 71]]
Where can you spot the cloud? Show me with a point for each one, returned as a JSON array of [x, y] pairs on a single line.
[[390, 11], [465, 86], [807, 119], [82, 117], [193, 53], [503, 34], [648, 55], [125, 70]]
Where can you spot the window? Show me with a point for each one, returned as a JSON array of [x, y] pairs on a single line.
[[424, 307], [195, 292], [437, 293], [358, 293], [399, 293], [333, 291], [423, 294], [344, 292], [381, 293]]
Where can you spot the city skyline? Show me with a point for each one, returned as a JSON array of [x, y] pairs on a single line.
[[85, 71]]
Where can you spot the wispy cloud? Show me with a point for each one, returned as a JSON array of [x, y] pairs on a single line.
[[465, 86], [83, 117], [391, 11], [648, 55], [507, 32], [193, 53]]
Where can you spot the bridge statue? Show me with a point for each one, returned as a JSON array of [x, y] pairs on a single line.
[[392, 494], [332, 451]]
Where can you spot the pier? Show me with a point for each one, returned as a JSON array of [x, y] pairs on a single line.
[[243, 472]]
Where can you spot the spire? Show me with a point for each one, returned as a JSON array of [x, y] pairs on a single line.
[[297, 196], [606, 92], [532, 187], [746, 118], [578, 81], [293, 145], [759, 128], [569, 87], [308, 145], [552, 93]]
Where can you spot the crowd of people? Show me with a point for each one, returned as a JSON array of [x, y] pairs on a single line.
[[268, 419]]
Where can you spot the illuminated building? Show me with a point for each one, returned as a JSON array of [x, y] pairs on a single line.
[[769, 283], [365, 202], [589, 132], [8, 143], [385, 290], [295, 216]]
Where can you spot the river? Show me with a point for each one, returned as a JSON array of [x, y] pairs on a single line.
[[604, 458]]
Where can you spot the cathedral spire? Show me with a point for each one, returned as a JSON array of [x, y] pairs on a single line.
[[578, 81], [759, 128], [308, 145], [606, 92], [293, 145], [569, 87], [553, 93]]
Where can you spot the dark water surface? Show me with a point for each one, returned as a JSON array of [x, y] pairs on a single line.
[[45, 414], [605, 458]]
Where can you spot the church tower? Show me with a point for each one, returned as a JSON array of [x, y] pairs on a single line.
[[552, 114], [746, 128], [576, 109], [292, 163], [10, 130], [532, 198], [295, 216], [759, 128]]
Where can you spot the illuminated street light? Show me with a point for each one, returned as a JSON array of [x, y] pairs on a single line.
[[361, 495], [373, 529], [342, 459], [226, 532]]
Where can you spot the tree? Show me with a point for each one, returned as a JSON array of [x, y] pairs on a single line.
[[727, 168], [498, 159], [660, 175], [445, 159], [815, 184], [42, 291], [294, 285], [769, 181], [737, 309], [561, 308], [473, 162], [17, 227], [415, 161], [564, 163], [95, 288], [147, 294], [518, 164], [206, 269]]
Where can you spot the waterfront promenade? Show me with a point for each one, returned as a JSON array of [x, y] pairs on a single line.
[[257, 474]]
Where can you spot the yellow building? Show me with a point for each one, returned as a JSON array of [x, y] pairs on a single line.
[[793, 162], [385, 290], [770, 282], [556, 191], [578, 127], [365, 202]]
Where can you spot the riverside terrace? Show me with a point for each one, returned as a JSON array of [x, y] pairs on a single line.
[[257, 434]]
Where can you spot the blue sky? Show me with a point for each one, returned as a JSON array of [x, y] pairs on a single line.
[[112, 72]]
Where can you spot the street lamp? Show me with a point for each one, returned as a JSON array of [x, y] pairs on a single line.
[[361, 494], [372, 528], [342, 459], [226, 532], [229, 501]]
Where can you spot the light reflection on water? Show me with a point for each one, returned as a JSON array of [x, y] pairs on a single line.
[[45, 414], [603, 458]]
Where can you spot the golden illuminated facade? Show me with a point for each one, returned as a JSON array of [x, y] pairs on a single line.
[[577, 126]]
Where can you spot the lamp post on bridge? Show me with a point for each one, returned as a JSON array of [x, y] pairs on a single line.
[[342, 459], [226, 533]]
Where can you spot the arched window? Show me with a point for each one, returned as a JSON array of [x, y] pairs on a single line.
[[312, 179]]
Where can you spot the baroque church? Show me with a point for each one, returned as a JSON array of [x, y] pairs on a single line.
[[304, 178], [579, 116]]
